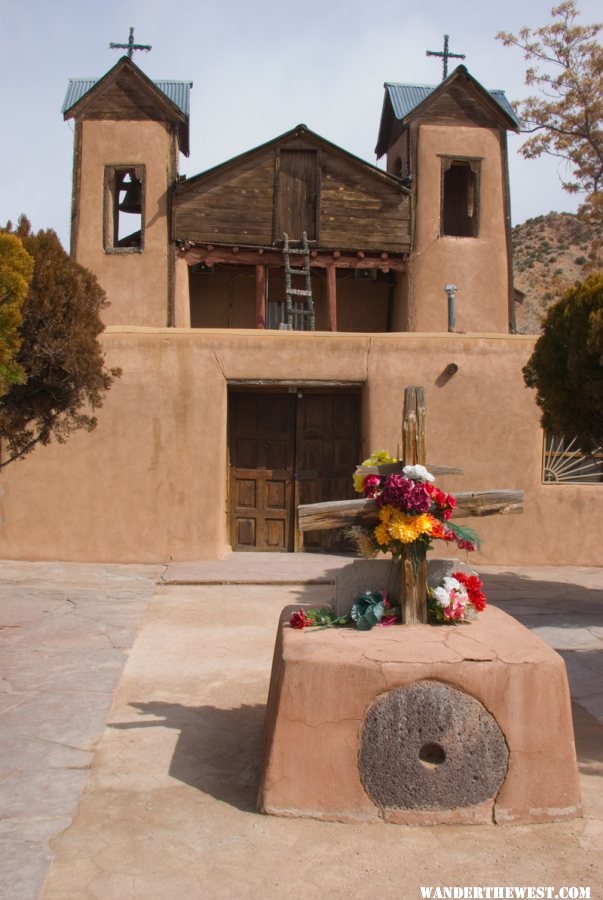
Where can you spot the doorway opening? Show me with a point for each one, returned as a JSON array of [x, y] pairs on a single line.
[[288, 446]]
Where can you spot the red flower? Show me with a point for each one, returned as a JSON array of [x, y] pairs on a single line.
[[299, 619], [466, 545], [474, 589], [370, 485], [440, 531], [445, 503]]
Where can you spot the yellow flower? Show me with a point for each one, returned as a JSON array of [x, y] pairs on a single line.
[[358, 483], [386, 513], [377, 458], [407, 529], [382, 535]]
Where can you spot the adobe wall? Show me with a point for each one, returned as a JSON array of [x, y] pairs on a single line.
[[476, 265], [149, 485], [136, 283]]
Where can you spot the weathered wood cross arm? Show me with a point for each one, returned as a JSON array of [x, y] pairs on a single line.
[[345, 513]]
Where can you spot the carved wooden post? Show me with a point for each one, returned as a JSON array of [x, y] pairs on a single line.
[[413, 601]]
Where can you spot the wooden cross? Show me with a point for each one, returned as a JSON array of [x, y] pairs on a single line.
[[446, 55], [345, 513], [130, 46]]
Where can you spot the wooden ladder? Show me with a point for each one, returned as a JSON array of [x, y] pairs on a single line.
[[299, 314]]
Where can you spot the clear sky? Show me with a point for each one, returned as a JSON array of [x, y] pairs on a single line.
[[259, 67]]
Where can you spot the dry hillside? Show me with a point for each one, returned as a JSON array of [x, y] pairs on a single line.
[[550, 253]]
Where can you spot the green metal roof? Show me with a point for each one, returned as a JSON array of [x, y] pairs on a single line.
[[406, 97], [176, 91]]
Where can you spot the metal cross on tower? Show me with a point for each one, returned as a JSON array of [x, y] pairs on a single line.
[[130, 46], [446, 55]]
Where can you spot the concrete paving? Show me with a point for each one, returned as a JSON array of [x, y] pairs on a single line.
[[154, 796], [65, 632]]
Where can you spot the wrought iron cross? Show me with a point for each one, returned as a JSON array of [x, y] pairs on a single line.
[[446, 55], [130, 46]]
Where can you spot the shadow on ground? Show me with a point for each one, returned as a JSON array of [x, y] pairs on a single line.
[[218, 751]]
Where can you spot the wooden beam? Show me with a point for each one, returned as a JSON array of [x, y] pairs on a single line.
[[345, 513], [253, 256], [332, 297], [337, 514], [393, 468], [413, 426], [488, 503], [260, 296], [413, 598]]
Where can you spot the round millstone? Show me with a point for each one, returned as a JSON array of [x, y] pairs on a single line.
[[430, 746]]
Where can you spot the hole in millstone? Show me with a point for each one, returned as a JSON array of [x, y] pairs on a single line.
[[432, 755]]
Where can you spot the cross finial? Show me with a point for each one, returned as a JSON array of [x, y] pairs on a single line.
[[130, 46], [446, 55]]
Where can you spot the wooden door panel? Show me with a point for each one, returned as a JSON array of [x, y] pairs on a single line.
[[245, 532], [276, 495], [262, 455], [275, 534], [245, 493], [328, 449]]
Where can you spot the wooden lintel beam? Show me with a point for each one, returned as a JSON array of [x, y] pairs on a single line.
[[392, 468], [241, 256], [345, 513]]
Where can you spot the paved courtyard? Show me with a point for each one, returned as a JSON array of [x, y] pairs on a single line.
[[131, 710]]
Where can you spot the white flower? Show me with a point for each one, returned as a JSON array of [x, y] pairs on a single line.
[[441, 596], [418, 473], [449, 590]]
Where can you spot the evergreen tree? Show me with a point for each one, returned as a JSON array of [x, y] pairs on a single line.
[[16, 267], [60, 354], [566, 367]]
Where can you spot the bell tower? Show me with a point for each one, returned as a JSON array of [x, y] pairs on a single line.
[[448, 143], [129, 132]]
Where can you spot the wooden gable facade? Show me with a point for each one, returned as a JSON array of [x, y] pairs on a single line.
[[230, 223], [126, 94]]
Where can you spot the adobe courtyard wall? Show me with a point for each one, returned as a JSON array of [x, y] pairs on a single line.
[[149, 484]]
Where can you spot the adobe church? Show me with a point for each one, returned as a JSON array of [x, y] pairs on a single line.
[[267, 315]]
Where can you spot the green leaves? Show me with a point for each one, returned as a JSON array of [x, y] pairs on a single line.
[[16, 268], [369, 609], [564, 118], [566, 365], [65, 378]]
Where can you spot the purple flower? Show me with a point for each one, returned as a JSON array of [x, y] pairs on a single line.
[[406, 495]]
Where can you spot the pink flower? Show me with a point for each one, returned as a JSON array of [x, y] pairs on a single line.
[[456, 608], [370, 485]]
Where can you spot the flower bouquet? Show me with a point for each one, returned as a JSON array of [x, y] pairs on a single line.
[[456, 599], [411, 510], [369, 609]]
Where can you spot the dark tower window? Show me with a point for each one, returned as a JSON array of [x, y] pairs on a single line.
[[460, 198], [124, 200]]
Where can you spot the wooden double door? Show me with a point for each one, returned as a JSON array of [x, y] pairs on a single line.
[[286, 448]]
